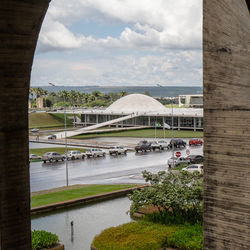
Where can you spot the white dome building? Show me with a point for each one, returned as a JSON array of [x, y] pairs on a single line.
[[138, 110], [136, 103]]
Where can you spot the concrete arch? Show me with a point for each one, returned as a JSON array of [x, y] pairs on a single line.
[[20, 23]]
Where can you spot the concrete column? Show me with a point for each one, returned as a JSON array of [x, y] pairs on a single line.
[[179, 123], [97, 118], [149, 121], [226, 72], [194, 119]]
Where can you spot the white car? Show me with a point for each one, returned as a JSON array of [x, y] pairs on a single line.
[[94, 152], [34, 157], [177, 161], [72, 155], [194, 167], [159, 145], [117, 150]]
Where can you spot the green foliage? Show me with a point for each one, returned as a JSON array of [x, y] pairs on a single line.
[[143, 235], [175, 194], [42, 239], [61, 104], [188, 238], [97, 103], [135, 235]]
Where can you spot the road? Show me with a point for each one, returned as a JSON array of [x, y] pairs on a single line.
[[107, 170]]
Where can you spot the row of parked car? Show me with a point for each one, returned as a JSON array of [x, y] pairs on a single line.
[[74, 154], [162, 144]]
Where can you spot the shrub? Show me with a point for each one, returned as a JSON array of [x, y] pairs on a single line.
[[134, 235], [42, 239], [175, 194]]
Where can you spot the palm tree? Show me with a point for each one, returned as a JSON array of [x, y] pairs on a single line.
[[20, 29]]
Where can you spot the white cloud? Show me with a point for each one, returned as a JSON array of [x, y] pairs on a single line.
[[158, 24], [171, 68]]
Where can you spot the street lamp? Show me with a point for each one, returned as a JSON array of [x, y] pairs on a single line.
[[172, 100], [65, 131]]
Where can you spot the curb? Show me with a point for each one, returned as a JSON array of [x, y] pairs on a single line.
[[83, 201]]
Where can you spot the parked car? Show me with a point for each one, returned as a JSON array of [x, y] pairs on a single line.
[[177, 161], [34, 130], [143, 146], [72, 155], [52, 156], [118, 150], [34, 157], [178, 143], [94, 152], [194, 167], [195, 158], [195, 142], [51, 137], [159, 145]]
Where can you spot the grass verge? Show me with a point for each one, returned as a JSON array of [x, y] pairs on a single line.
[[69, 194], [144, 133], [60, 150], [46, 120], [148, 235]]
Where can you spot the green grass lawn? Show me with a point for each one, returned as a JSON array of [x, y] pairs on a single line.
[[64, 195], [142, 235], [46, 120], [146, 133], [60, 150]]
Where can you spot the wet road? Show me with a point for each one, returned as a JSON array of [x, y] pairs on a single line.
[[102, 170]]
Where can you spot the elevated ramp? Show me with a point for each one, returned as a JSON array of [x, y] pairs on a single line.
[[93, 127]]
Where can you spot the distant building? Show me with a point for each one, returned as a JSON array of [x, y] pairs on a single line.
[[191, 101], [148, 112]]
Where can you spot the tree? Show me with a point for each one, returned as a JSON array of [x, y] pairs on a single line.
[[177, 194]]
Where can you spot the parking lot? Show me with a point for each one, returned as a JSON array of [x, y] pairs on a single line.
[[102, 170]]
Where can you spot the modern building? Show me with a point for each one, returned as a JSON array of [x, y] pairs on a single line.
[[146, 111], [191, 101]]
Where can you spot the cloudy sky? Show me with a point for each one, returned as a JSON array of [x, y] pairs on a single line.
[[120, 43]]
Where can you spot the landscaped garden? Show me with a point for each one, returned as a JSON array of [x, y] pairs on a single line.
[[169, 213]]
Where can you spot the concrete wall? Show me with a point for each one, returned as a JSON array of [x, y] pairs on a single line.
[[226, 66]]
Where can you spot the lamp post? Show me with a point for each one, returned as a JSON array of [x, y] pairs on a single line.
[[66, 144], [172, 100]]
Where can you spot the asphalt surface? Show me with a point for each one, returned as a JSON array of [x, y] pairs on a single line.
[[103, 170]]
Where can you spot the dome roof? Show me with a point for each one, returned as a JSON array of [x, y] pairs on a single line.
[[135, 103]]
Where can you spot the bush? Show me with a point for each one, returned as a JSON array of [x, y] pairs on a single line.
[[134, 235], [147, 235], [42, 239], [174, 194]]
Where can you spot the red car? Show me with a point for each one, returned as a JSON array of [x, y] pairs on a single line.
[[195, 142]]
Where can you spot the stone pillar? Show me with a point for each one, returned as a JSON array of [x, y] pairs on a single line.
[[226, 78], [20, 23]]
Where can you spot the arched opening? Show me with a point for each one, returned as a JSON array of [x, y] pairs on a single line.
[[226, 91]]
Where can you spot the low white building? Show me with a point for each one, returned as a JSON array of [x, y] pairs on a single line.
[[191, 101], [144, 111]]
